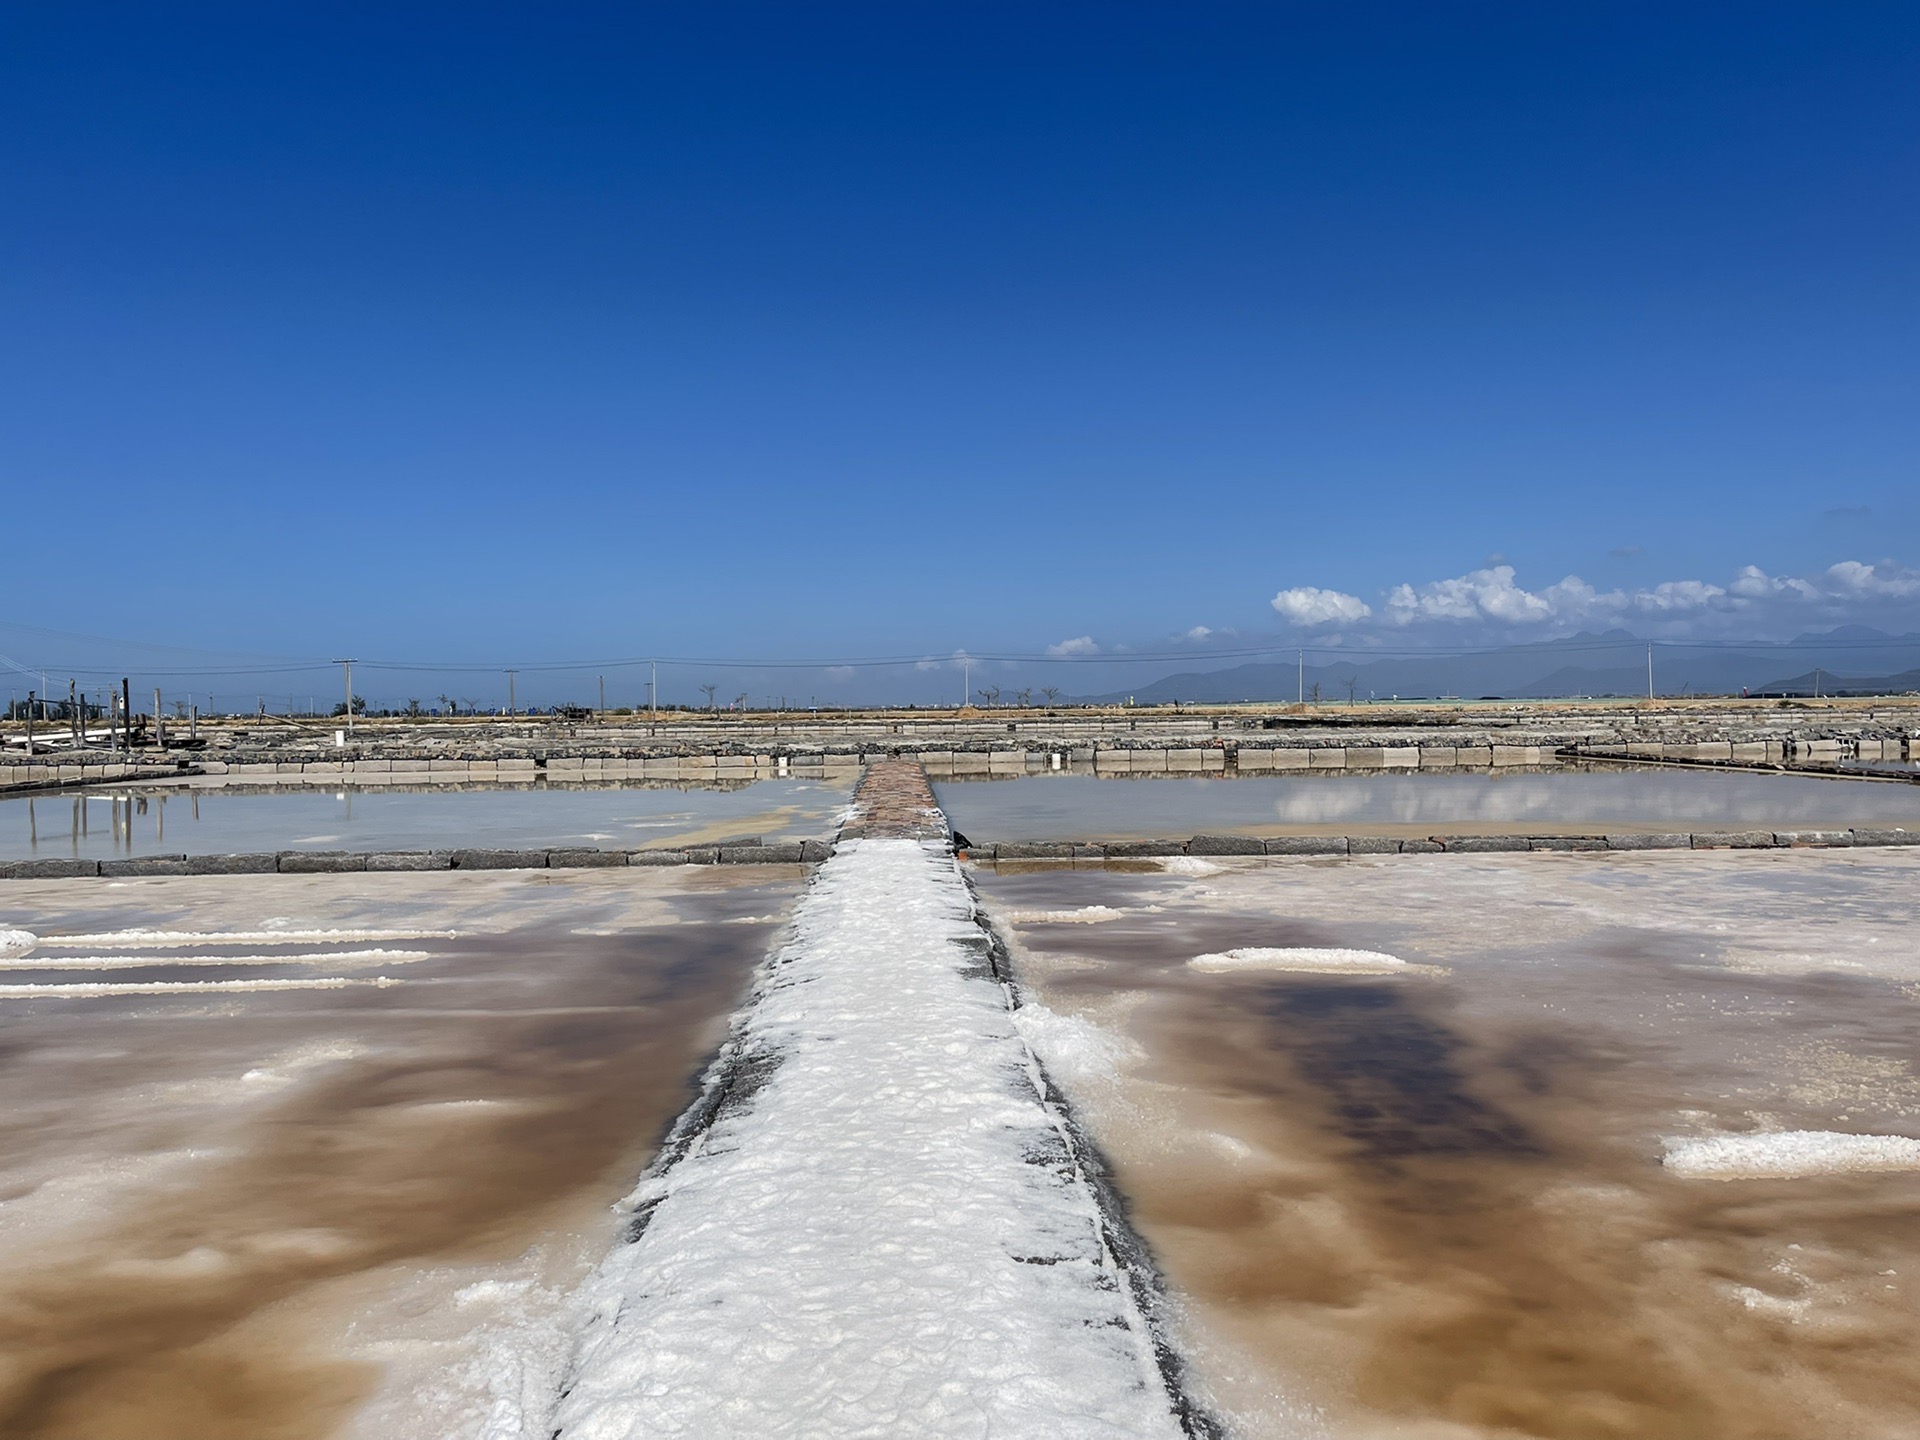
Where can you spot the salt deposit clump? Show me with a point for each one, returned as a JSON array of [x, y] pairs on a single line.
[[1790, 1154], [1307, 959], [17, 942]]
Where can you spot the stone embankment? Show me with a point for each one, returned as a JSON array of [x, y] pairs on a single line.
[[879, 1213], [335, 862], [1090, 853], [943, 762], [718, 749]]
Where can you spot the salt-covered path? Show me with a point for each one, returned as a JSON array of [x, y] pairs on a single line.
[[878, 1219]]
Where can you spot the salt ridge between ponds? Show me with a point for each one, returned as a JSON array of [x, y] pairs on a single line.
[[1303, 958], [1790, 1155], [883, 1229]]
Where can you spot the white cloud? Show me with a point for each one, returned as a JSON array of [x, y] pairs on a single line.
[[1492, 599], [839, 672], [1886, 579], [1079, 645], [1753, 583], [1309, 605], [955, 661], [1198, 633], [1488, 594]]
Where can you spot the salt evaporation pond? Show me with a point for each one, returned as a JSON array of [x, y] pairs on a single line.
[[341, 1188], [1087, 807], [115, 822], [1628, 1148]]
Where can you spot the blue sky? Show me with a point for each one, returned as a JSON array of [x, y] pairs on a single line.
[[493, 334]]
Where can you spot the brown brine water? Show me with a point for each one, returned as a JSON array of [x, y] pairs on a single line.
[[1432, 1204], [255, 1214]]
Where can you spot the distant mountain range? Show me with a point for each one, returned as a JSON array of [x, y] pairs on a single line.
[[1853, 659]]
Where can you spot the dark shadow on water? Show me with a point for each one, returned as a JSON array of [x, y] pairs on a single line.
[[1391, 1077]]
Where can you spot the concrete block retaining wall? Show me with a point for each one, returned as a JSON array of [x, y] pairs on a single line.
[[1249, 845], [1220, 756], [337, 862]]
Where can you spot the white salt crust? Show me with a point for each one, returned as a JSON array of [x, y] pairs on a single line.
[[1083, 915], [167, 962], [1308, 959], [1790, 1155], [17, 942], [887, 1237], [168, 939], [95, 990]]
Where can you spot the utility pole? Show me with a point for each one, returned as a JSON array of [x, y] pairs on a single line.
[[1302, 693], [73, 714], [653, 691], [347, 666], [159, 725], [1649, 670], [30, 749], [966, 682], [511, 676], [603, 697]]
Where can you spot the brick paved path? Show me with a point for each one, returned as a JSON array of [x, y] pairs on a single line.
[[894, 801]]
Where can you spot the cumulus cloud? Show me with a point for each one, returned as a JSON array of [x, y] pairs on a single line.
[[1888, 580], [1309, 605], [1488, 594], [957, 659], [1078, 645], [1198, 633], [1492, 599]]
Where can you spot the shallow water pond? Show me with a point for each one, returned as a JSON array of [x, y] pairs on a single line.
[[1558, 802], [111, 823], [278, 1158], [1431, 1202]]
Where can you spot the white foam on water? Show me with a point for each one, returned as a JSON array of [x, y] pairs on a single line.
[[136, 962], [1307, 959], [96, 990], [17, 942], [1188, 865], [886, 1234], [1789, 1155]]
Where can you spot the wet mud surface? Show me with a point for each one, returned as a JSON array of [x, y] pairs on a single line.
[[1431, 1205], [179, 1176]]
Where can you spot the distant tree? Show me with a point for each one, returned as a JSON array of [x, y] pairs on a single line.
[[446, 705], [359, 707], [1023, 698], [413, 709], [1353, 684], [1313, 696], [1051, 693], [990, 694]]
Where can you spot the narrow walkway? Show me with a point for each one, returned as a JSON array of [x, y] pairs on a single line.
[[874, 1222]]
